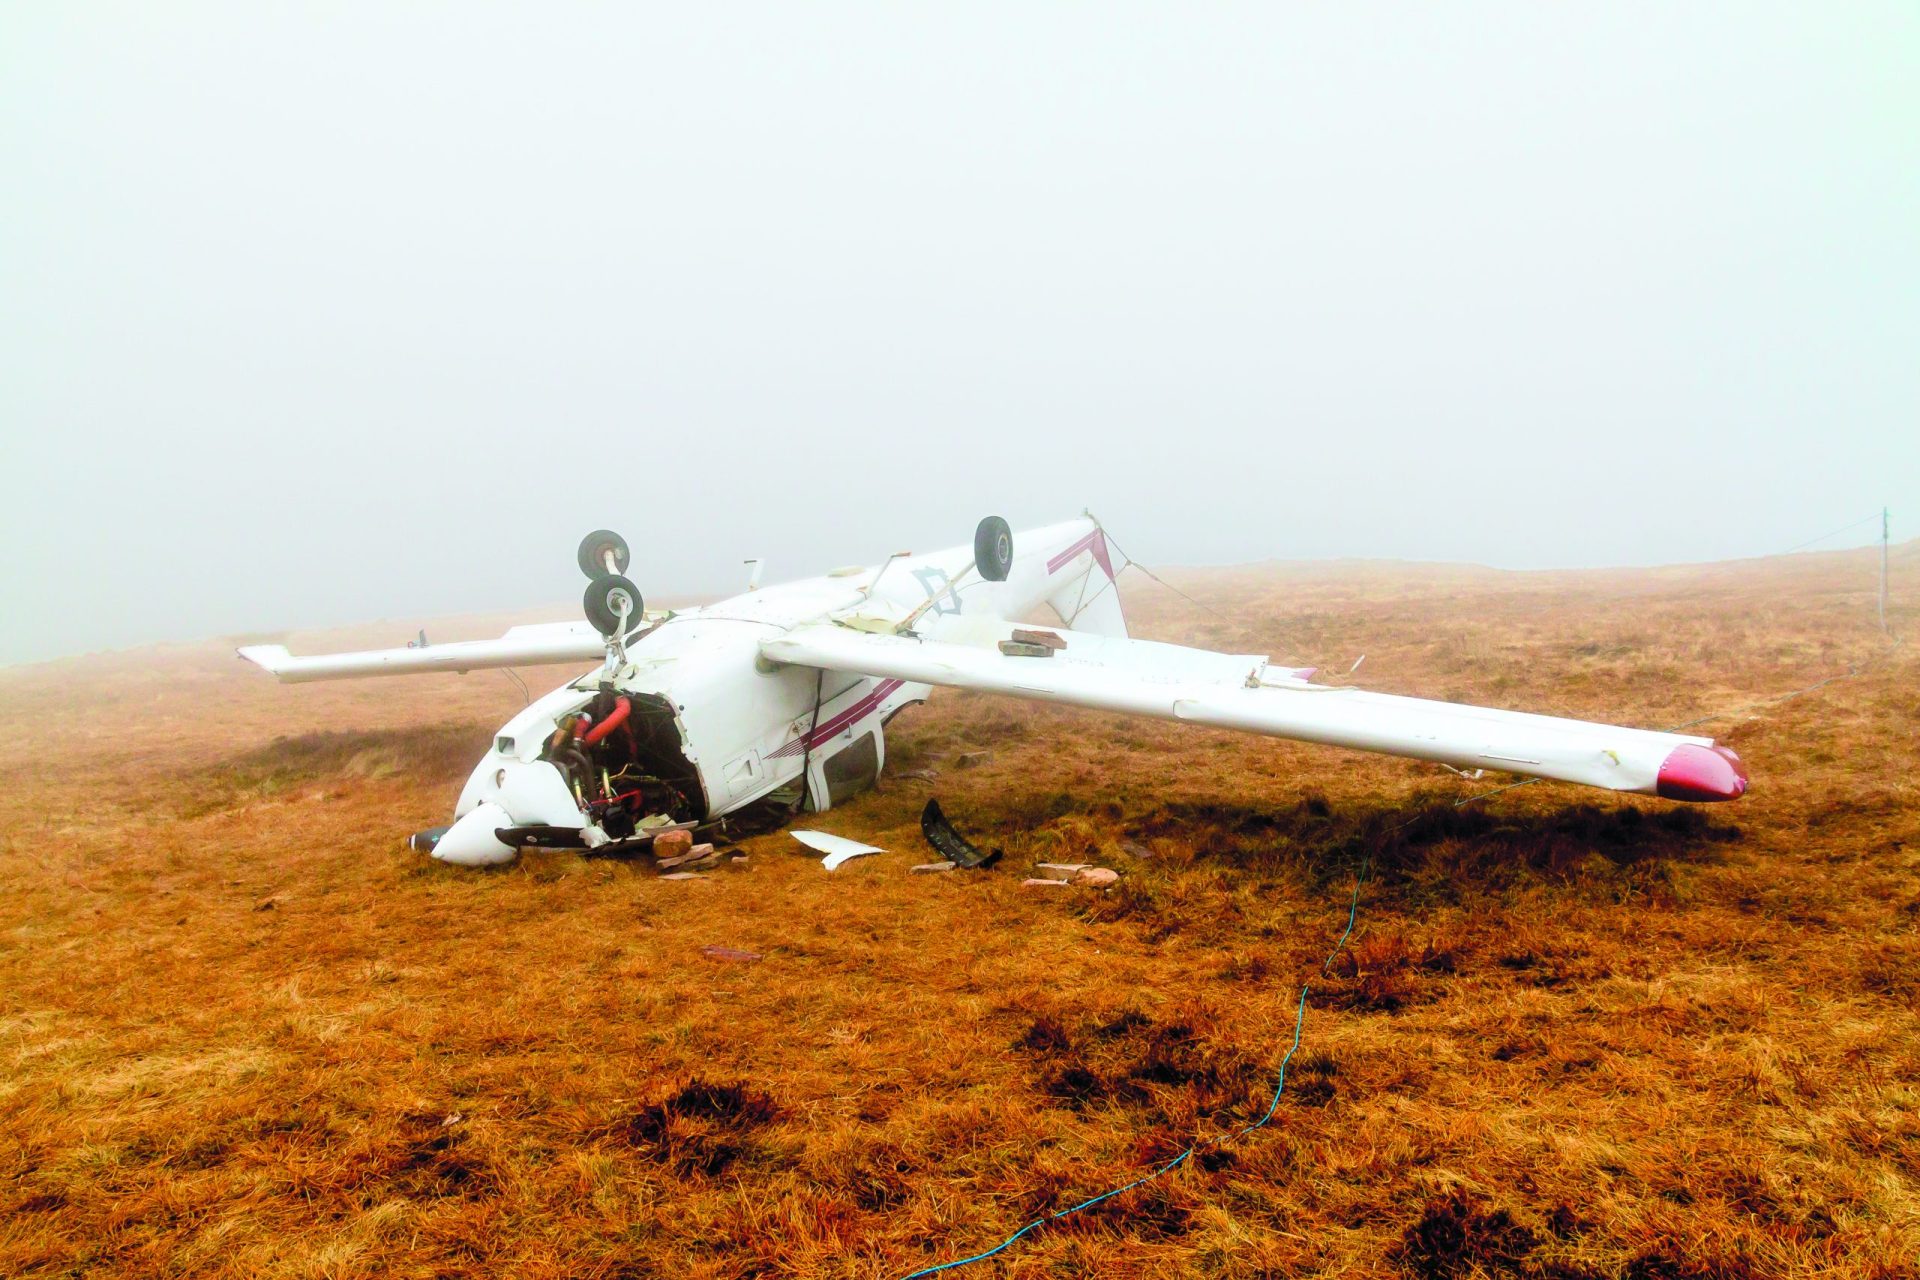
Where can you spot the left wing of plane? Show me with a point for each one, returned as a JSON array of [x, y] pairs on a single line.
[[1173, 682], [519, 647]]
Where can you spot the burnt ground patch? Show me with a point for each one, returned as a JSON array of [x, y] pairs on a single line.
[[1457, 1235], [438, 1161], [1130, 1059], [701, 1129]]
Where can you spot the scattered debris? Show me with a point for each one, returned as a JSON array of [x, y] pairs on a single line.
[[714, 951], [672, 844], [1043, 883], [839, 849], [1080, 873], [920, 775], [1014, 649], [648, 834], [1134, 849], [698, 853], [1046, 639], [682, 875], [968, 759], [949, 843], [929, 868]]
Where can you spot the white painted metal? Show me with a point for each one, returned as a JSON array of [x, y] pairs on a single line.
[[472, 842], [1193, 685], [520, 647], [839, 849], [773, 682]]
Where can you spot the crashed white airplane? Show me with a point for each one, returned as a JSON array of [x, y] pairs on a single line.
[[780, 697]]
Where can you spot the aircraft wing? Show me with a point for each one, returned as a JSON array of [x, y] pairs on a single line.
[[520, 647], [1229, 691]]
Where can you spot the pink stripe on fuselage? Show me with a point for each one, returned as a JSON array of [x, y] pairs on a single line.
[[861, 708]]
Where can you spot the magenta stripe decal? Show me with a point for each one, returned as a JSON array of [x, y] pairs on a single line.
[[1095, 542], [864, 707]]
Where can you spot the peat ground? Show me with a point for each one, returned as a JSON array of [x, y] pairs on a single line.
[[245, 1032]]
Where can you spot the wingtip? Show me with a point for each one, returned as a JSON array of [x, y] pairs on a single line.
[[1702, 774], [268, 657]]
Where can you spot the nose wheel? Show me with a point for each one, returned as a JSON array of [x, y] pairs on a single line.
[[613, 605], [604, 554]]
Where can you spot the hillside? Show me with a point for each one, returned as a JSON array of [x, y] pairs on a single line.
[[246, 1032]]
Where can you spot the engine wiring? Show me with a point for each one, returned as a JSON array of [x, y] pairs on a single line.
[[604, 759]]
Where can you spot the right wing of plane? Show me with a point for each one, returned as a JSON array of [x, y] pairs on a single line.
[[520, 647], [1173, 682]]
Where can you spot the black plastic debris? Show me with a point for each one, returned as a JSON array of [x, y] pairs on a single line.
[[541, 837], [950, 844]]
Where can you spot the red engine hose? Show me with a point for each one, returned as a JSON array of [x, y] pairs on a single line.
[[622, 708]]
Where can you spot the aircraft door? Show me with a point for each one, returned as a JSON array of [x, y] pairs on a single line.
[[846, 766]]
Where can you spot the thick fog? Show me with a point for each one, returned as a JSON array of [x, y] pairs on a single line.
[[323, 313]]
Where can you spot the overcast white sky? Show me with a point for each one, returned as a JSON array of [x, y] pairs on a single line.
[[320, 313]]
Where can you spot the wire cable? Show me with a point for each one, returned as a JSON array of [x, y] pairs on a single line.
[[1836, 533], [1131, 563]]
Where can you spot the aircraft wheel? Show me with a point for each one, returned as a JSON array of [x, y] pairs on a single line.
[[594, 549], [605, 598], [993, 549]]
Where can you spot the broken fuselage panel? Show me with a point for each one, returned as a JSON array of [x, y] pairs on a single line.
[[703, 726]]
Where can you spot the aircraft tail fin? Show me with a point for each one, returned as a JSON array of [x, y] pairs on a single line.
[[1092, 605]]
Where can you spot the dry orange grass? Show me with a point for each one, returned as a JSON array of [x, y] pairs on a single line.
[[245, 1032]]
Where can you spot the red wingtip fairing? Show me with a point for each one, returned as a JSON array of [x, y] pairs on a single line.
[[1694, 772]]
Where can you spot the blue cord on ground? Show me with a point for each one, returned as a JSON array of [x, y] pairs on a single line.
[[1299, 1024], [1353, 915]]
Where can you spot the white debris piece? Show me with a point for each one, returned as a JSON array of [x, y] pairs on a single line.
[[838, 849]]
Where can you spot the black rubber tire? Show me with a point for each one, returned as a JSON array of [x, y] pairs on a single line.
[[601, 600], [993, 549], [593, 553]]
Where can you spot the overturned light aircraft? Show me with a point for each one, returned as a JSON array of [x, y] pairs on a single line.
[[779, 697]]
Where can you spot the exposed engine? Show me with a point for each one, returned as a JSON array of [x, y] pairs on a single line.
[[621, 758]]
